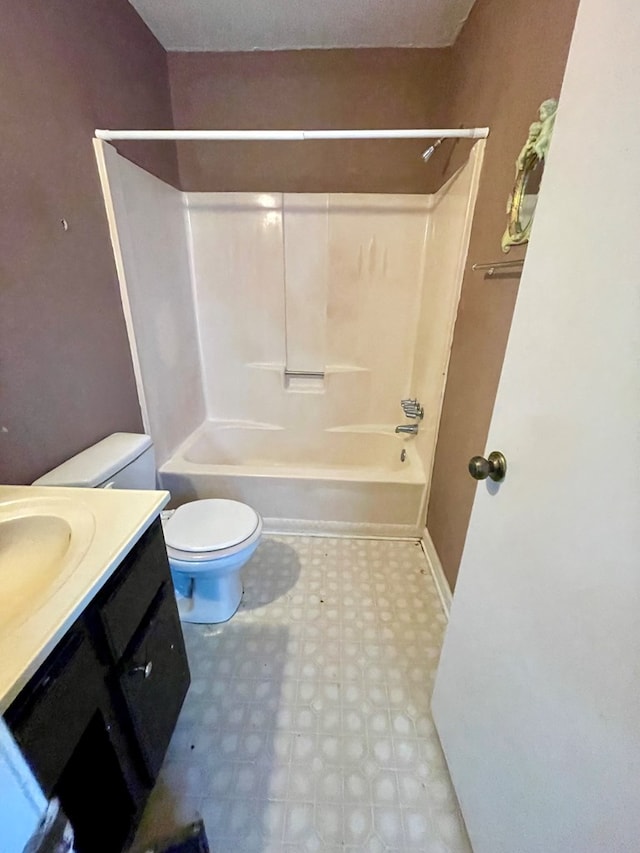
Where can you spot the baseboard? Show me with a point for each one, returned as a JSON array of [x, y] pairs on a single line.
[[437, 572]]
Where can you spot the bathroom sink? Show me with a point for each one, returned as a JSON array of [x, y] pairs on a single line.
[[42, 542]]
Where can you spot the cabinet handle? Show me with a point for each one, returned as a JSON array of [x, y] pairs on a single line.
[[146, 668]]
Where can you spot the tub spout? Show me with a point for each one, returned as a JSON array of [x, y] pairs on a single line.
[[410, 429]]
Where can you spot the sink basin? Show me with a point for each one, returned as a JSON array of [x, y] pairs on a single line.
[[42, 542]]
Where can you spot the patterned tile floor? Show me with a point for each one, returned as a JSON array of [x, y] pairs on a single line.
[[307, 724]]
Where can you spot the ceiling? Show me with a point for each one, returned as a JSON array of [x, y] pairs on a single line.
[[237, 25]]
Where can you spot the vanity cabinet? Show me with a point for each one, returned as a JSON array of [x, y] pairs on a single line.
[[95, 721]]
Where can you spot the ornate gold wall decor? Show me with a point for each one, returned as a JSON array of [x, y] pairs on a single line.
[[529, 167]]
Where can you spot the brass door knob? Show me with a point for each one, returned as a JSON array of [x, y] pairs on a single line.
[[495, 467]]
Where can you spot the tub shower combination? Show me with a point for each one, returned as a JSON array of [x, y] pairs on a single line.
[[273, 336]]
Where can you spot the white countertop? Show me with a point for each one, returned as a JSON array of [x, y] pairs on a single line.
[[121, 517]]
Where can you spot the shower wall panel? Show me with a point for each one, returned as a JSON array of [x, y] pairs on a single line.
[[238, 272], [445, 259], [376, 260], [322, 283], [149, 237], [305, 232]]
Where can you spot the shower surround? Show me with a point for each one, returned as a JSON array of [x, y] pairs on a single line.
[[273, 336]]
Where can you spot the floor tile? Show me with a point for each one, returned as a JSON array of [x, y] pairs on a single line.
[[307, 725]]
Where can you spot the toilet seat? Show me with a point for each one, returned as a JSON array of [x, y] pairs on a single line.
[[210, 529]]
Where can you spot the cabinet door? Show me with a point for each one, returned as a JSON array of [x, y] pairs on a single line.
[[154, 679], [51, 713]]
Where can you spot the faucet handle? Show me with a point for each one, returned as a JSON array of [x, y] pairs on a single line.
[[412, 409], [415, 413]]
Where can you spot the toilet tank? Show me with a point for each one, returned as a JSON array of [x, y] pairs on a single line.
[[123, 460]]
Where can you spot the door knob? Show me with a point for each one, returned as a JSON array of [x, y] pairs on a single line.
[[495, 467]]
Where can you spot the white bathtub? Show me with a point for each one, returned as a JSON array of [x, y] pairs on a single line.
[[347, 478]]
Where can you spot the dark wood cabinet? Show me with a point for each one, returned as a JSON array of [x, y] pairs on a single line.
[[154, 678], [95, 721]]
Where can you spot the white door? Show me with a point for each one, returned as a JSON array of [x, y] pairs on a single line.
[[537, 698]]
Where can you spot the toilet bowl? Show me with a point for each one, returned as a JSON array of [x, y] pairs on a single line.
[[208, 543]]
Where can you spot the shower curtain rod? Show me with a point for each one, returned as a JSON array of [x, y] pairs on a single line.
[[295, 135]]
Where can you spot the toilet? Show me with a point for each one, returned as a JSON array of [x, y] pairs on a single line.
[[208, 541]]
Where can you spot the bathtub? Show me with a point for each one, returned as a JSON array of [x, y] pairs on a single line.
[[345, 479]]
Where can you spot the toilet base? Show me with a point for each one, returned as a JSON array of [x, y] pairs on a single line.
[[210, 593], [208, 600]]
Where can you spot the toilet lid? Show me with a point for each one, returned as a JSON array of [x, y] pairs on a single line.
[[210, 525]]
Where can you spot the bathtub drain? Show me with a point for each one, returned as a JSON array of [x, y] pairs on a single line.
[[403, 455]]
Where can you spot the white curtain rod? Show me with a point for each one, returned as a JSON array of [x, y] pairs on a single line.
[[295, 135]]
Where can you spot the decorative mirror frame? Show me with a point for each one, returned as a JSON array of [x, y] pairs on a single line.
[[533, 154]]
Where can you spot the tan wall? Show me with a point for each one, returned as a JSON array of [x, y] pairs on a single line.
[[508, 58], [66, 377], [308, 89], [67, 67]]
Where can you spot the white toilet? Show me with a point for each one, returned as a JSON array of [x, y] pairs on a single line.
[[208, 541]]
